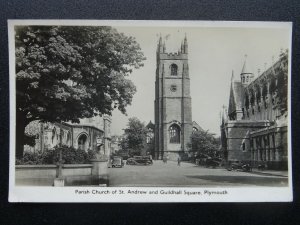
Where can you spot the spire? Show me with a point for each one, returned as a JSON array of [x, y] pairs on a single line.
[[182, 49], [160, 45], [232, 76], [185, 45], [164, 47], [245, 68], [246, 76]]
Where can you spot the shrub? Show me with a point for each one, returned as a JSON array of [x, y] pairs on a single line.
[[30, 158], [70, 155]]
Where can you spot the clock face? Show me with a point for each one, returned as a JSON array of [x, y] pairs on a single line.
[[173, 87]]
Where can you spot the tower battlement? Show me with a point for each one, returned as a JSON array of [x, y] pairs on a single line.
[[161, 49], [171, 56]]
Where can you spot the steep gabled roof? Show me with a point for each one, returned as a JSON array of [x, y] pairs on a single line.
[[235, 98], [150, 125], [196, 125], [245, 69]]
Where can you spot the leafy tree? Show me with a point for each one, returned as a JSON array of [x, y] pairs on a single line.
[[135, 136], [68, 73], [203, 142]]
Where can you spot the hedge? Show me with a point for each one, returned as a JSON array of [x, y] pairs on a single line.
[[70, 155]]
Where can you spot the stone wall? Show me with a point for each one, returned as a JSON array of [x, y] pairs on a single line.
[[238, 138], [44, 175]]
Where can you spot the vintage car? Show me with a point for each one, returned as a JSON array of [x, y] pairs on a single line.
[[140, 160], [240, 166], [212, 162], [117, 161]]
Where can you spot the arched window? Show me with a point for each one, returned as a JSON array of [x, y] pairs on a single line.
[[244, 147], [174, 133], [82, 142], [62, 139], [195, 129], [54, 137], [174, 70], [68, 141], [265, 95], [246, 100]]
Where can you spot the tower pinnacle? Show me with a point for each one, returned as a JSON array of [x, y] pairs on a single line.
[[185, 45], [160, 45]]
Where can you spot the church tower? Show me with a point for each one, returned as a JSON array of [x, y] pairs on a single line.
[[173, 113]]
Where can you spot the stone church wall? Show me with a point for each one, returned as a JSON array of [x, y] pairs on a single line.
[[238, 139]]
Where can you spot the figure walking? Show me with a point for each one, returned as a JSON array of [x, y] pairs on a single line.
[[178, 161], [165, 159]]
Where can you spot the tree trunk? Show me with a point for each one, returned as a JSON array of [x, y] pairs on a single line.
[[20, 132]]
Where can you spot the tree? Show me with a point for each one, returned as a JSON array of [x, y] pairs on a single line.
[[202, 142], [68, 73], [135, 136]]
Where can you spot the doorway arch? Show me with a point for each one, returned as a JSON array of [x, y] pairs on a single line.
[[82, 141]]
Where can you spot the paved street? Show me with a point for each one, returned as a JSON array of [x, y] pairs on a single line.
[[160, 174]]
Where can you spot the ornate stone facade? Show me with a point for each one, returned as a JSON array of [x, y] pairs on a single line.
[[89, 134], [254, 129]]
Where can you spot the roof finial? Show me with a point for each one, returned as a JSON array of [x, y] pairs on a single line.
[[232, 76], [245, 69], [185, 45]]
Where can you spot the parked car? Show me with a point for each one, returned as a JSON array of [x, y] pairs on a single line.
[[212, 162], [117, 162], [261, 167], [239, 166], [140, 160]]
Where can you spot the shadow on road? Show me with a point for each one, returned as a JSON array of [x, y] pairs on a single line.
[[259, 181]]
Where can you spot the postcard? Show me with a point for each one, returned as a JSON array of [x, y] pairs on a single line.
[[150, 111]]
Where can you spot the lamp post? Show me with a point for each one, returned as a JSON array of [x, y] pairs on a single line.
[[59, 165], [59, 181]]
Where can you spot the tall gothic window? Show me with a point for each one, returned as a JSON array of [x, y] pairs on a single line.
[[174, 70], [174, 133], [68, 141]]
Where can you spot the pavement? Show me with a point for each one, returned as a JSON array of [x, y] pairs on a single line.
[[190, 175], [271, 172]]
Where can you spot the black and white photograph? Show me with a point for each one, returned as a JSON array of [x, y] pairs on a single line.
[[150, 111]]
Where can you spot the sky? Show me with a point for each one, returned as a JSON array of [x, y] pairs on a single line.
[[214, 52]]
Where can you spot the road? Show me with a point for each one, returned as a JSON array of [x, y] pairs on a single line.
[[188, 175]]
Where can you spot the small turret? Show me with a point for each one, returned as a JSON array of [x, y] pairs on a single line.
[[246, 76]]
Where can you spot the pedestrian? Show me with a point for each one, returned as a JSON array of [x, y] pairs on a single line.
[[165, 159], [178, 161]]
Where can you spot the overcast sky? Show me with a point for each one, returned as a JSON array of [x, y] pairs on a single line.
[[213, 54]]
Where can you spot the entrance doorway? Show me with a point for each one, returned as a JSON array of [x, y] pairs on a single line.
[[82, 142]]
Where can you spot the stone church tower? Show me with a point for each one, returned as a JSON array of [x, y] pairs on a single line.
[[173, 113]]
